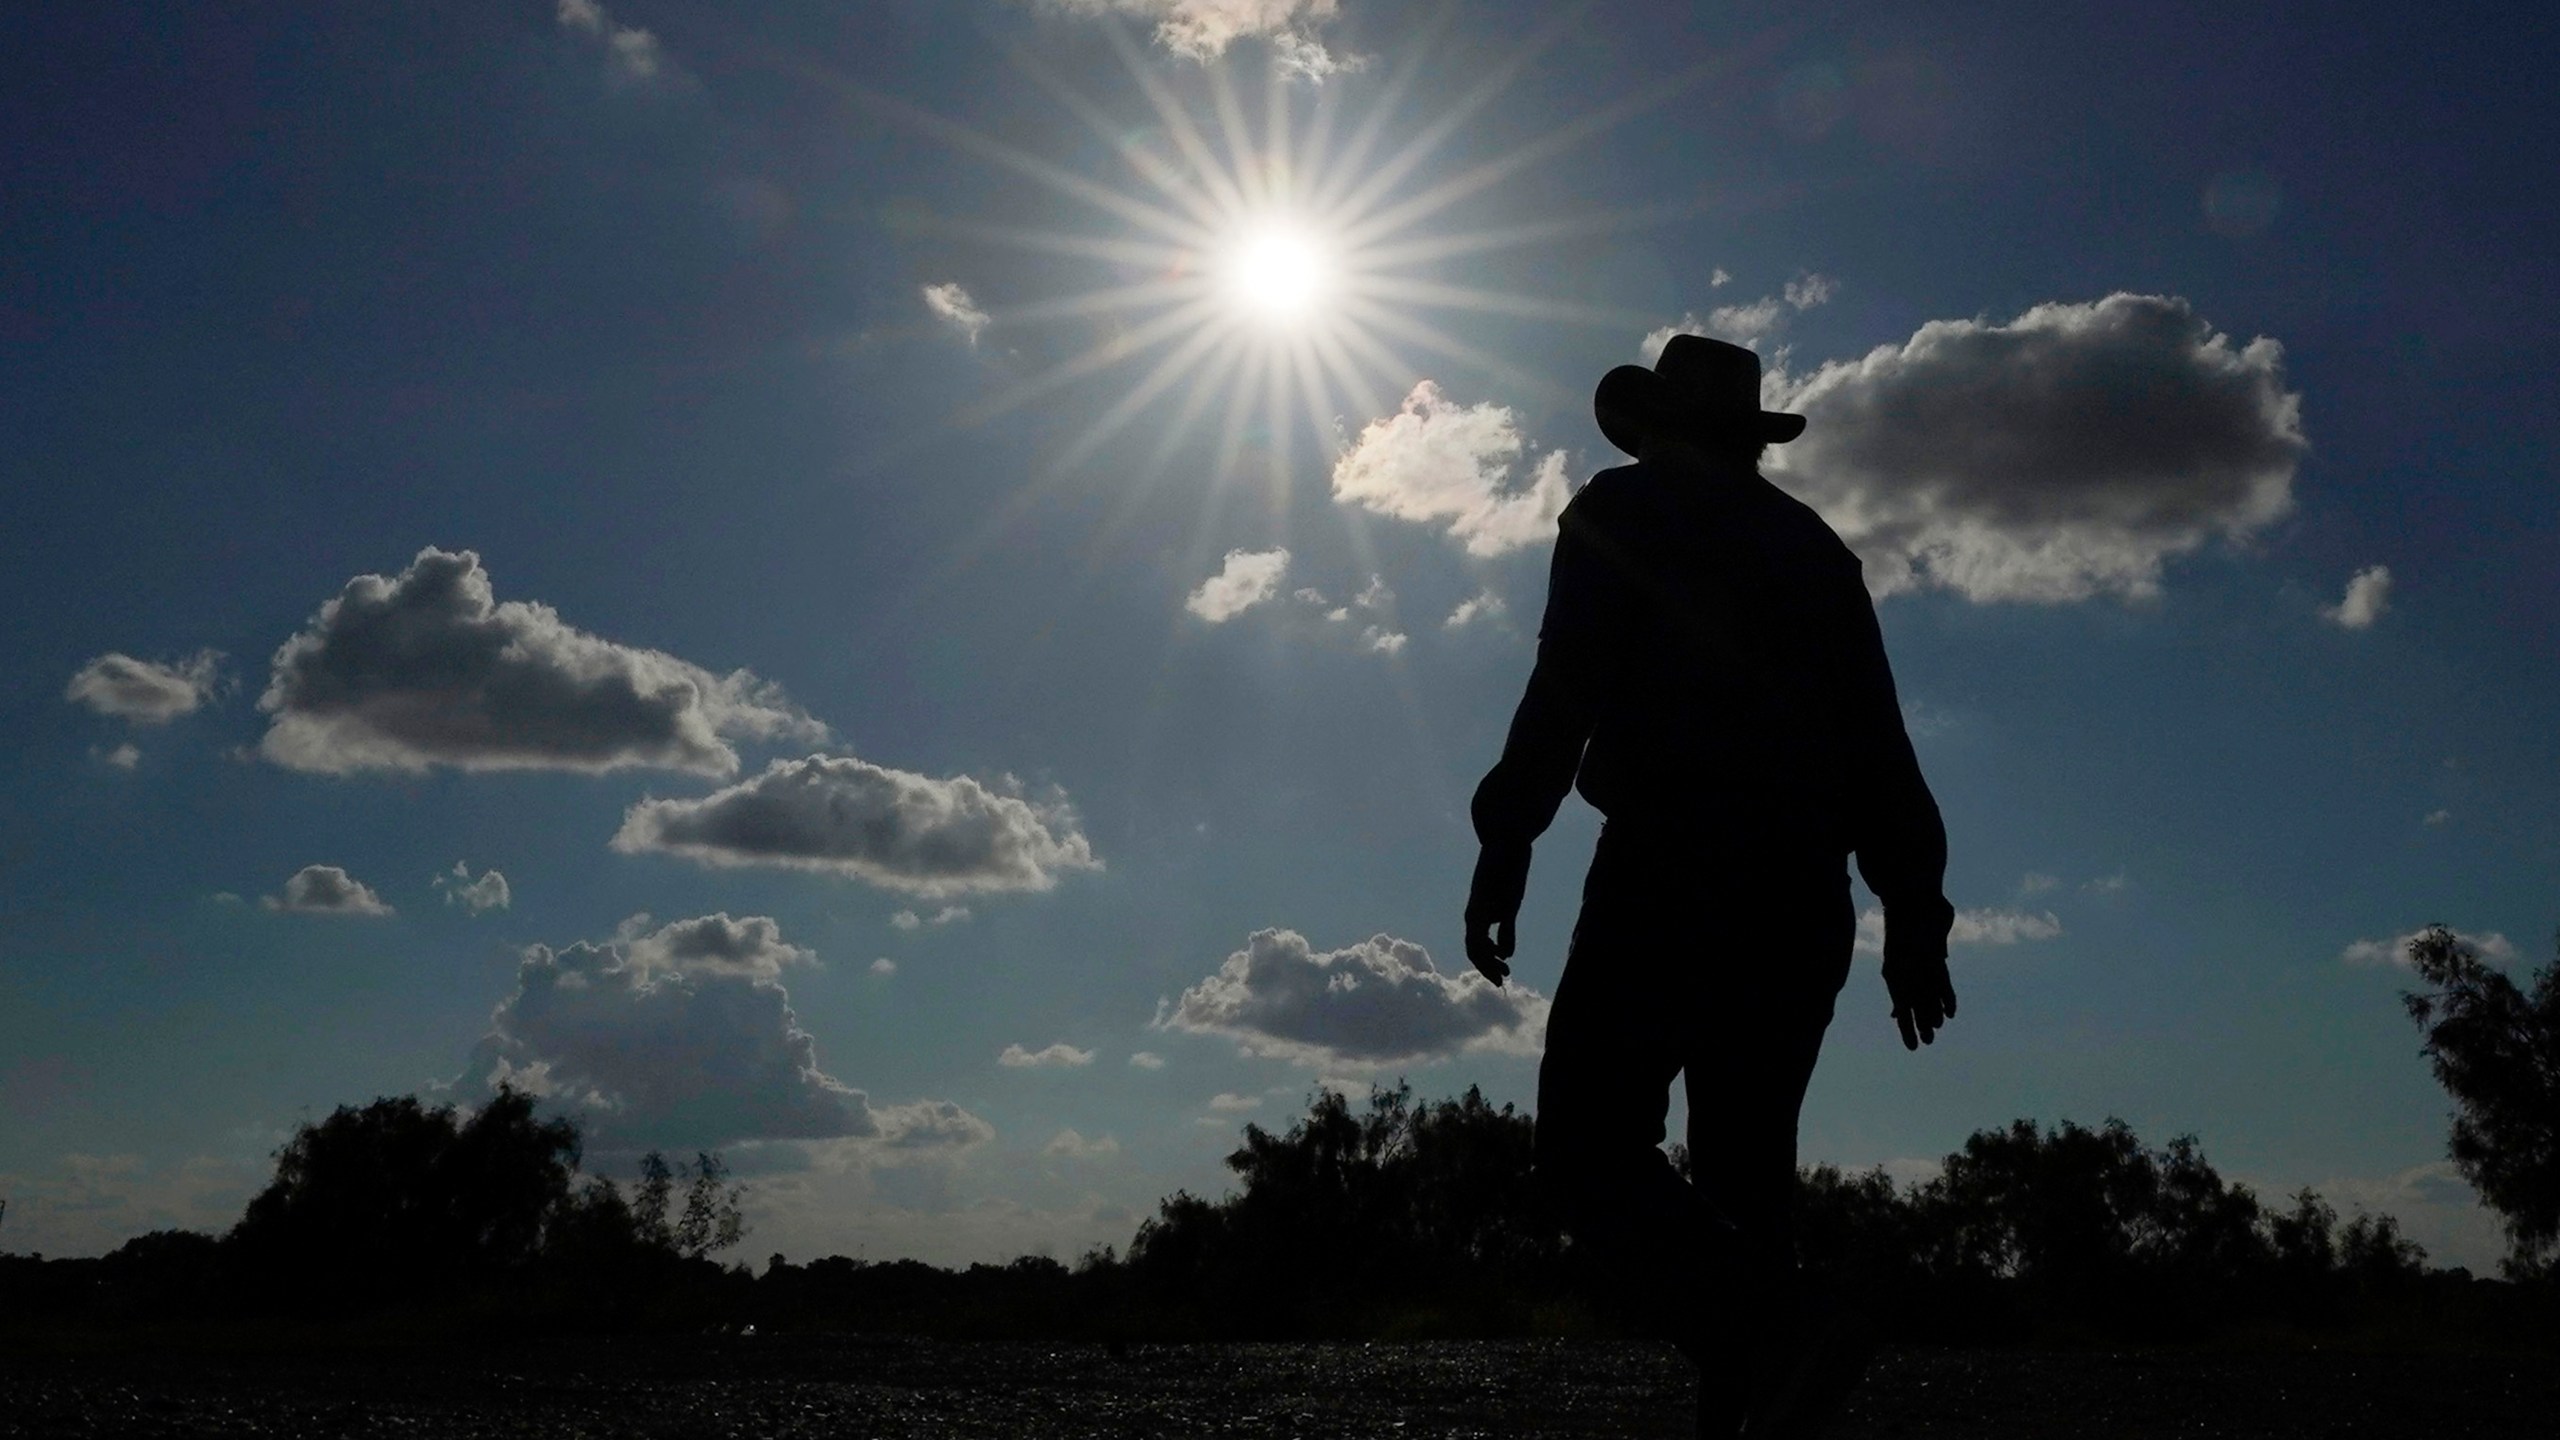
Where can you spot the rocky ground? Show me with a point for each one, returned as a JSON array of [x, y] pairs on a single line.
[[769, 1388]]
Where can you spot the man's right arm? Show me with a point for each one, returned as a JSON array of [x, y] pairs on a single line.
[[1519, 796]]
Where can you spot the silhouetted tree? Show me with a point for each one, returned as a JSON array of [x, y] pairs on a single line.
[[2496, 1050], [712, 1218], [398, 1199]]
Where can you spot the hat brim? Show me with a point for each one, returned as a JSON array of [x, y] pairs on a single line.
[[1632, 402]]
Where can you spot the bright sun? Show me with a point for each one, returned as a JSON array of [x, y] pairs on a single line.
[[1278, 272]]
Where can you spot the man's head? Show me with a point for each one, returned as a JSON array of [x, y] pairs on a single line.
[[1701, 396]]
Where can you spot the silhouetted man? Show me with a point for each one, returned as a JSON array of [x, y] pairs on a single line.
[[1711, 674]]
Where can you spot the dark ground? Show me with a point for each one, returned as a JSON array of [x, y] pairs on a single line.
[[840, 1386]]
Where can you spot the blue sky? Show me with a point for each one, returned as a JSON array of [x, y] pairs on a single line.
[[962, 583]]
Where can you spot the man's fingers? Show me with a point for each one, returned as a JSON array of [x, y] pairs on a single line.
[[1506, 940], [1902, 1019]]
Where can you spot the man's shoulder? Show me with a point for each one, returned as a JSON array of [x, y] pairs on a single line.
[[1803, 524]]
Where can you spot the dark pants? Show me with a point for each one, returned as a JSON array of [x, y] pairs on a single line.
[[1719, 966]]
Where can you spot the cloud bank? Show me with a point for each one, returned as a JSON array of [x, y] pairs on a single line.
[[1377, 1003], [325, 890], [892, 828], [1248, 578], [2065, 454], [683, 1037], [1437, 462], [429, 668], [144, 692]]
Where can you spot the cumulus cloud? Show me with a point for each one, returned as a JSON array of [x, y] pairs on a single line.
[[683, 1037], [1068, 1145], [1229, 1102], [632, 55], [1060, 1056], [1146, 1060], [2491, 946], [2368, 595], [950, 303], [884, 966], [146, 692], [898, 830], [1437, 462], [1203, 29], [947, 915], [487, 891], [1973, 927], [325, 890], [2067, 453], [1484, 605], [1377, 1003], [1248, 578], [429, 668]]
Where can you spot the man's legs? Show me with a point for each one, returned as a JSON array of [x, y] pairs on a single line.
[[1680, 962]]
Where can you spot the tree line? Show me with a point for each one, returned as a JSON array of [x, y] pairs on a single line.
[[1394, 1217]]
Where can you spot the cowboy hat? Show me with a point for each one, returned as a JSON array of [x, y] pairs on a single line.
[[1699, 389]]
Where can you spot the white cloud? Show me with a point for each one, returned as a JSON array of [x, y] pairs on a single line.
[[2437, 818], [1379, 640], [895, 829], [428, 668], [951, 304], [1436, 462], [145, 692], [884, 966], [632, 55], [1808, 290], [947, 915], [1203, 29], [1990, 926], [1248, 578], [2065, 454], [2493, 947], [1379, 1002], [2036, 882], [1068, 1145], [325, 890], [123, 757], [1721, 278], [2368, 595], [2115, 884], [1146, 1060], [488, 892], [1376, 596], [1484, 605], [683, 1037], [1056, 1057], [1229, 1102]]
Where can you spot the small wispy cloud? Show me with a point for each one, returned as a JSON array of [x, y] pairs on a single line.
[[325, 890], [1484, 605], [1069, 1145], [487, 891], [146, 692], [2368, 596], [632, 55], [1248, 578], [951, 304], [2493, 947], [1059, 1056], [947, 915], [1146, 1060]]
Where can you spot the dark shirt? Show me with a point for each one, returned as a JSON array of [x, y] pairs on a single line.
[[1710, 669]]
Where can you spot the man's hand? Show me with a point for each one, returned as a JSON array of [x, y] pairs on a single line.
[[1915, 969], [1493, 908]]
